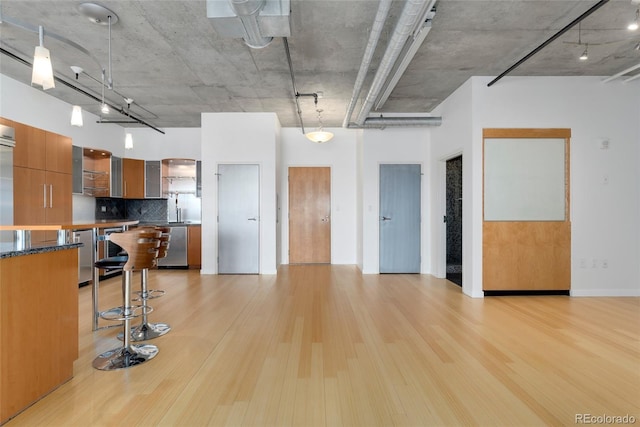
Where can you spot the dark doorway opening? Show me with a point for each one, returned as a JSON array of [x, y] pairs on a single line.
[[454, 220]]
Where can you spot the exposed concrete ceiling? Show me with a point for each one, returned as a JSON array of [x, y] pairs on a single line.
[[167, 57]]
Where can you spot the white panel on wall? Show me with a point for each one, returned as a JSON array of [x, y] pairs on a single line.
[[524, 179]]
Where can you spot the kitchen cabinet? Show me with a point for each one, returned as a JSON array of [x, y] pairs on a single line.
[[39, 328], [76, 154], [42, 179], [152, 187], [194, 246], [116, 176], [133, 179], [95, 172]]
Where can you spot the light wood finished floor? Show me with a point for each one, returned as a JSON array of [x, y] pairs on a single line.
[[324, 345]]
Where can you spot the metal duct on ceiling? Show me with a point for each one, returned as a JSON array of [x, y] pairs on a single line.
[[413, 12], [385, 122], [255, 21]]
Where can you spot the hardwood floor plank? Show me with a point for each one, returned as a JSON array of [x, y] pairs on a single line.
[[323, 345]]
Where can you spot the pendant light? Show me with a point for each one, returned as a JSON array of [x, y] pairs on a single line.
[[42, 74], [320, 135], [635, 24], [128, 141], [76, 116]]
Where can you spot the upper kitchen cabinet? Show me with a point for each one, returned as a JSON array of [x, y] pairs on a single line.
[[178, 177], [96, 171], [152, 188], [132, 179], [39, 149]]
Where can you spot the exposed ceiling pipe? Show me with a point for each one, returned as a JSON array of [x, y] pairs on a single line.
[[374, 37], [248, 11], [293, 82], [413, 11], [549, 40], [385, 122]]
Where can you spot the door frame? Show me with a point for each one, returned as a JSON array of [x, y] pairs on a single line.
[[441, 252]]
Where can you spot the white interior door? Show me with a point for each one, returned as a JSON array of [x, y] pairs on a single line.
[[400, 218], [238, 219]]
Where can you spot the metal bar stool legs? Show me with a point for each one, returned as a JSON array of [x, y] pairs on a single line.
[[142, 251], [145, 330], [127, 355]]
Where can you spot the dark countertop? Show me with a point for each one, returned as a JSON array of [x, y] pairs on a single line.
[[8, 250], [165, 223]]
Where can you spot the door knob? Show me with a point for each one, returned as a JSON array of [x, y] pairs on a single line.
[[386, 218], [252, 219]]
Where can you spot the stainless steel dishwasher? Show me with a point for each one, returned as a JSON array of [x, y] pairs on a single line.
[[177, 254]]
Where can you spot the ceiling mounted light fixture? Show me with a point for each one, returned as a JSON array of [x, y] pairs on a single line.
[[634, 24], [42, 74], [128, 141], [585, 54], [76, 116], [320, 135]]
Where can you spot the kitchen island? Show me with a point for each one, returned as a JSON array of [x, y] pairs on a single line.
[[38, 322]]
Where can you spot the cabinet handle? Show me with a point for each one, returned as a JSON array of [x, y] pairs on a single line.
[[125, 188], [44, 196], [51, 195]]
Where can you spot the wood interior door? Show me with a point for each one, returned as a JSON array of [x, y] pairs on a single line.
[[526, 251], [309, 215]]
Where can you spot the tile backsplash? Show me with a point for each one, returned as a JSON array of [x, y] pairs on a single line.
[[135, 209]]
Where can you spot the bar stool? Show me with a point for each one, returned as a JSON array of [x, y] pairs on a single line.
[[145, 330], [141, 246]]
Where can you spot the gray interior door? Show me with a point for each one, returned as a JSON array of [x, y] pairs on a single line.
[[238, 219], [400, 218]]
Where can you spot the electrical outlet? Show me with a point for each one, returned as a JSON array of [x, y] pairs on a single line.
[[103, 208], [605, 263], [594, 263], [583, 263]]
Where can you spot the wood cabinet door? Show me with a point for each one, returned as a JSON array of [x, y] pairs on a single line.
[[194, 243], [59, 157], [59, 205], [132, 179], [30, 151], [30, 196]]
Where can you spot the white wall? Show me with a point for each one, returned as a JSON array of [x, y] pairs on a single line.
[[391, 146], [340, 155], [605, 199], [452, 138], [175, 143], [244, 138]]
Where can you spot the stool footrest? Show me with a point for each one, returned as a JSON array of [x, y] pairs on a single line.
[[123, 313]]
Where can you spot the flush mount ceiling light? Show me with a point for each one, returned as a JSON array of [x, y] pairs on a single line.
[[320, 135], [42, 74], [76, 116]]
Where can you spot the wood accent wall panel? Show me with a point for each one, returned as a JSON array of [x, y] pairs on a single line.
[[38, 326], [528, 255]]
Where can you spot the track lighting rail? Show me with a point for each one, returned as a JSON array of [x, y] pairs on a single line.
[[84, 92], [549, 40]]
